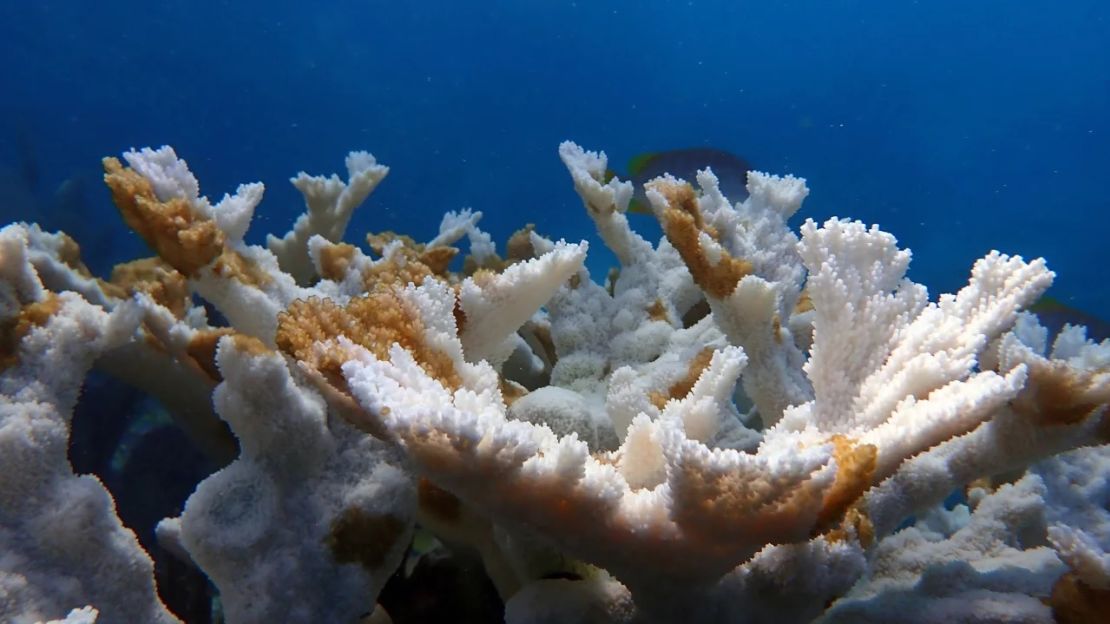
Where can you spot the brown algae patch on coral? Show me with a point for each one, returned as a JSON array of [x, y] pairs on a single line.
[[357, 536], [14, 329], [308, 329], [683, 223], [683, 386], [855, 467], [519, 247], [741, 512], [202, 350], [510, 390], [657, 311], [378, 242], [180, 236], [438, 258], [407, 265], [1059, 394], [153, 276], [250, 345], [69, 253], [804, 303], [428, 260], [397, 272], [1075, 602], [335, 260], [438, 502], [855, 523], [232, 265]]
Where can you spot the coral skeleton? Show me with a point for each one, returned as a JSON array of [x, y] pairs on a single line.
[[743, 423]]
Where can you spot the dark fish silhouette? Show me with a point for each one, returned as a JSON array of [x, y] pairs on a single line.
[[730, 169], [1054, 315]]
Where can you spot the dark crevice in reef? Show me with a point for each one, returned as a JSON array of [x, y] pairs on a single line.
[[126, 439], [443, 586]]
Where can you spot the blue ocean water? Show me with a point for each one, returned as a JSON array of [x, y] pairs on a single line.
[[958, 126]]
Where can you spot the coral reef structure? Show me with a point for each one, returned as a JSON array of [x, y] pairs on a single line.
[[742, 423]]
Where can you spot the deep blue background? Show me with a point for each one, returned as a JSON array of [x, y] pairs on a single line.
[[958, 126]]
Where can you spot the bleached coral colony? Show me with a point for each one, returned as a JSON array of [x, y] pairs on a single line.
[[735, 427]]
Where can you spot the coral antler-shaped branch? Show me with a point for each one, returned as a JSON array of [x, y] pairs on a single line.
[[63, 545], [712, 509], [330, 203]]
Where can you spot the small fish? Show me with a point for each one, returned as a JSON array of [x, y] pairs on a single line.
[[731, 172], [1054, 315]]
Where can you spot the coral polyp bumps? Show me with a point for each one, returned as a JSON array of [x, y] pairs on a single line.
[[735, 427]]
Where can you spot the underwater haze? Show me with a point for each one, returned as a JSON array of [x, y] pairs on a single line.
[[703, 437], [957, 126]]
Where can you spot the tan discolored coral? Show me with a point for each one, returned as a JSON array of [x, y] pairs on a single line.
[[250, 345], [682, 387], [458, 313], [437, 502], [202, 350], [983, 483], [855, 467], [375, 322], [412, 263], [658, 399], [1059, 394], [405, 267], [542, 334], [482, 278], [435, 260], [471, 266], [657, 311], [335, 260], [232, 265], [519, 247], [378, 242], [360, 537], [1075, 602], [438, 259], [855, 523], [683, 223], [511, 391], [749, 508], [70, 254], [167, 287], [390, 274], [180, 236], [804, 303], [14, 329]]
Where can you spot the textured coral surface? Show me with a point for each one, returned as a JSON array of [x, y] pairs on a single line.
[[743, 422]]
